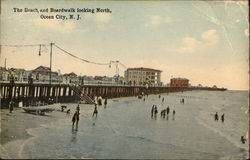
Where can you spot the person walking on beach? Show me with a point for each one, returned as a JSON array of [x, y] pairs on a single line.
[[11, 106], [222, 117], [95, 111], [74, 119], [162, 100], [155, 111], [168, 110], [68, 111], [78, 108], [77, 118], [152, 110], [105, 101], [164, 113], [216, 117], [173, 114], [242, 139], [159, 96]]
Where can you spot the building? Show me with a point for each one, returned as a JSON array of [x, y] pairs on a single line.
[[70, 78], [143, 76], [4, 74], [179, 82], [42, 74], [19, 75]]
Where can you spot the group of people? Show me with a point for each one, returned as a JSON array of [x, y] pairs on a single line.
[[75, 118], [154, 112], [216, 117], [65, 107]]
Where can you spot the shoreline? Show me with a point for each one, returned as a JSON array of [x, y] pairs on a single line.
[[16, 134], [14, 129]]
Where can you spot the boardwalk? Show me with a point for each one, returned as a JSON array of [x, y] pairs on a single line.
[[29, 94]]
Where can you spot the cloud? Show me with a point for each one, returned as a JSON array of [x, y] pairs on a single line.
[[191, 45], [156, 20], [61, 26], [210, 37]]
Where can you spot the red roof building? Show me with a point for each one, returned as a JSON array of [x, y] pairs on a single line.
[[179, 82]]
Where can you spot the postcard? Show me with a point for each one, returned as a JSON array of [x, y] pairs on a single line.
[[104, 79]]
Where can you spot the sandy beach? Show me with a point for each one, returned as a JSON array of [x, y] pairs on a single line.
[[15, 125], [119, 128]]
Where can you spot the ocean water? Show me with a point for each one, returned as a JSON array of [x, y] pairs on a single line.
[[125, 129]]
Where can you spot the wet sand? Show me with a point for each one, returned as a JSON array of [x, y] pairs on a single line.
[[14, 127], [29, 137]]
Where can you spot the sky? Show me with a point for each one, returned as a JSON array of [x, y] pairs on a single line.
[[204, 41]]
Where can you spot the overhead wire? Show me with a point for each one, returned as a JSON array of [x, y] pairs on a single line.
[[87, 61], [64, 51], [28, 45]]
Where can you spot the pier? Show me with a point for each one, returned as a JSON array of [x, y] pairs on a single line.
[[30, 94]]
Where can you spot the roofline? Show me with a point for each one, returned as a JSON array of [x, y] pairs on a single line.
[[142, 68]]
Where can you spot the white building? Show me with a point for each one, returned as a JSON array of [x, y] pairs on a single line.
[[143, 76]]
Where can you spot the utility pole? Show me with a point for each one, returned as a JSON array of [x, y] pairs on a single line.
[[51, 44], [5, 63]]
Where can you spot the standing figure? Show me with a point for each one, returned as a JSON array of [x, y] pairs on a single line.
[[182, 100], [161, 113], [162, 99], [78, 108], [152, 111], [68, 111], [159, 96], [11, 106], [242, 139], [105, 101], [216, 117], [74, 119], [99, 100], [164, 113], [168, 110], [155, 111], [95, 111], [222, 117], [173, 114], [77, 118]]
